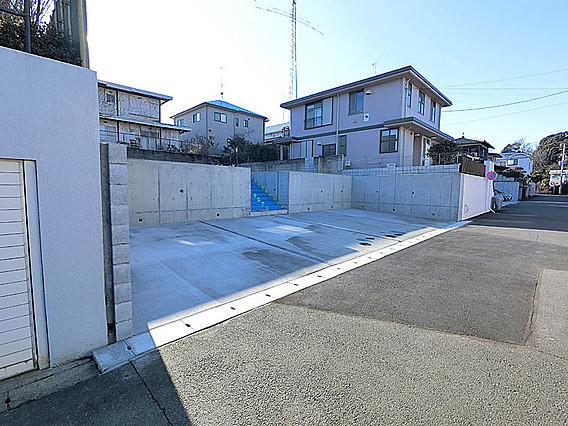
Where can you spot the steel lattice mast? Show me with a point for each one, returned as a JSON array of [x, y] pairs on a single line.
[[293, 92], [293, 88]]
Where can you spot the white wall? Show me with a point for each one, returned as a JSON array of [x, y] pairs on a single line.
[[49, 114], [475, 196], [170, 192]]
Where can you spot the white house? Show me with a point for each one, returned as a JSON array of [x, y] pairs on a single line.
[[519, 160]]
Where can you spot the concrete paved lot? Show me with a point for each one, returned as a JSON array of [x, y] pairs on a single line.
[[297, 362], [184, 268]]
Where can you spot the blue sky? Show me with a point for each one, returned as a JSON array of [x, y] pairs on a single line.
[[179, 48]]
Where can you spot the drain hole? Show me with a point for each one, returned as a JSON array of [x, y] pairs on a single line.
[[233, 308], [267, 295], [320, 276], [370, 238], [390, 235], [364, 243], [187, 325], [129, 347], [297, 285]]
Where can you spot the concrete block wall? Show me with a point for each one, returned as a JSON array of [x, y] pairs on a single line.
[[163, 192], [432, 196], [119, 239]]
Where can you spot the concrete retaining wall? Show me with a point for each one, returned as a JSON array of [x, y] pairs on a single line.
[[508, 187], [432, 196], [302, 192], [330, 164], [168, 192]]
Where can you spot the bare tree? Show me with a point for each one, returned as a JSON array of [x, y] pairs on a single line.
[[40, 10]]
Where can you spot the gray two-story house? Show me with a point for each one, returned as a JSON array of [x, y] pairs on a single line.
[[133, 116], [221, 121], [390, 119]]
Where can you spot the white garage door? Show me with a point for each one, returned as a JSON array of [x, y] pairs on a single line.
[[16, 318]]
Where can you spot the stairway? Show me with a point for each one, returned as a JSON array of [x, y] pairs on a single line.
[[260, 200]]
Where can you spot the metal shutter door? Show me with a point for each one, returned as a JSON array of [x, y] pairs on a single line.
[[16, 320]]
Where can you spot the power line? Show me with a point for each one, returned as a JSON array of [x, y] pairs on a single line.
[[509, 78], [507, 88], [508, 104], [505, 115]]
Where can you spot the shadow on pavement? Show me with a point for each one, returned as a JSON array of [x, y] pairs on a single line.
[[528, 214], [118, 397]]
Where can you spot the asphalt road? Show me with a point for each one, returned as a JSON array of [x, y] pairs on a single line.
[[443, 332]]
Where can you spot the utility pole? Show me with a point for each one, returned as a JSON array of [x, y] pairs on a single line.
[[27, 26], [562, 166]]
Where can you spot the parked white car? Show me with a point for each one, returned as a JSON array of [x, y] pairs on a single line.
[[497, 200]]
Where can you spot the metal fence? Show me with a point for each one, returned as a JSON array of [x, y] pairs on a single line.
[[443, 163], [153, 142]]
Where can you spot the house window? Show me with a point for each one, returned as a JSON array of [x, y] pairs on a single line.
[[245, 123], [409, 95], [236, 122], [221, 117], [433, 110], [513, 162], [108, 133], [307, 149], [318, 113], [109, 97], [421, 101], [389, 141], [328, 149], [180, 122], [197, 117], [356, 102], [343, 144]]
